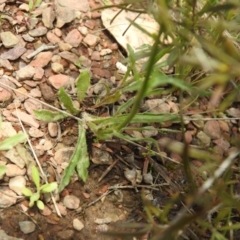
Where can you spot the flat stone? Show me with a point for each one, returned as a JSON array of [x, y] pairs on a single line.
[[66, 234], [28, 38], [64, 46], [27, 119], [71, 202], [105, 51], [9, 40], [157, 106], [7, 130], [64, 15], [57, 67], [17, 184], [38, 32], [7, 197], [91, 40], [6, 64], [14, 53], [58, 80], [74, 38], [204, 138], [5, 96], [95, 56], [42, 59], [36, 133], [198, 123], [63, 155], [77, 224], [48, 16], [83, 30], [52, 38], [25, 72], [35, 92], [53, 129], [39, 72], [82, 5], [90, 24], [212, 129], [27, 226], [13, 170], [47, 92], [71, 57]]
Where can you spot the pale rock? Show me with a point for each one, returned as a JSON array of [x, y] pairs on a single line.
[[57, 32], [13, 170], [199, 123], [106, 51], [83, 30], [27, 119], [150, 132], [7, 130], [157, 106], [204, 138], [77, 224], [9, 40], [35, 92], [30, 105], [14, 157], [36, 133], [46, 211], [71, 202], [7, 197], [39, 72], [91, 40], [82, 5], [59, 80], [64, 46], [48, 17], [63, 155], [27, 227], [71, 57], [52, 38], [53, 129], [65, 234], [42, 59], [6, 64], [212, 129], [57, 67], [25, 72], [17, 184], [64, 15], [14, 53], [28, 38], [38, 32], [74, 38]]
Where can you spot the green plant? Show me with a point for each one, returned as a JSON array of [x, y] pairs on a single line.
[[32, 4], [35, 196]]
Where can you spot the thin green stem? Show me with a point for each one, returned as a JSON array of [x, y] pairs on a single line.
[[143, 88]]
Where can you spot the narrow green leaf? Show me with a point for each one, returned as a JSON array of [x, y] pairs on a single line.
[[2, 170], [34, 198], [83, 163], [75, 158], [124, 106], [49, 116], [40, 205], [36, 177], [27, 192], [49, 187], [83, 83], [109, 99], [10, 142], [30, 5], [65, 99]]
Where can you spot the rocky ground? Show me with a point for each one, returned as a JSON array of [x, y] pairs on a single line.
[[43, 49]]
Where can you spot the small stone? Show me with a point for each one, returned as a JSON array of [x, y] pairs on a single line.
[[198, 123], [27, 226], [77, 224], [57, 32], [90, 24], [25, 72], [57, 67], [222, 143], [64, 15], [28, 38], [39, 72], [4, 236], [7, 197], [64, 46], [204, 138], [5, 96], [36, 133], [38, 32], [59, 80], [17, 184], [47, 92], [150, 132], [71, 57], [46, 211], [71, 202], [27, 119], [106, 51], [66, 234], [14, 53], [83, 30], [52, 38], [91, 40], [212, 129], [6, 64], [13, 156], [7, 130], [35, 92], [95, 56], [48, 17], [224, 126], [9, 40], [157, 106], [42, 59], [53, 129], [13, 170], [74, 38], [63, 155]]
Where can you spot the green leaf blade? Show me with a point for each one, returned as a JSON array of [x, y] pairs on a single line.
[[49, 187], [49, 116], [67, 101], [10, 142], [36, 177], [83, 83]]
